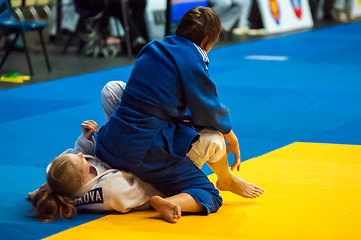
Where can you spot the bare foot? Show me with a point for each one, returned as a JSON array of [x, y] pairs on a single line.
[[169, 211], [240, 187]]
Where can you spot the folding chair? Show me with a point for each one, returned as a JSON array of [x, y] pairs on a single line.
[[8, 24], [30, 5], [16, 5], [44, 5]]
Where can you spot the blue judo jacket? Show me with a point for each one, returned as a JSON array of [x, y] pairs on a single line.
[[147, 134]]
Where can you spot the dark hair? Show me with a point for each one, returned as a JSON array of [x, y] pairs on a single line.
[[200, 25], [64, 179]]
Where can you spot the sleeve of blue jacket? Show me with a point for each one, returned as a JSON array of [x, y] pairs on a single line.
[[202, 99]]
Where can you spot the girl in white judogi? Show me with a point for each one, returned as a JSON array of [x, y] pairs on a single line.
[[77, 180]]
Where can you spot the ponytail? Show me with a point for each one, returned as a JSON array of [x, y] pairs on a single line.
[[64, 179], [51, 206]]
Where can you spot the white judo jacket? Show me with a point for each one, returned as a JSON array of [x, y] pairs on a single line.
[[111, 189]]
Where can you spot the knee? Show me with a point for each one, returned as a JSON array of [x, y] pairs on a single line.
[[210, 147], [111, 97], [217, 146], [113, 90], [208, 197], [216, 202]]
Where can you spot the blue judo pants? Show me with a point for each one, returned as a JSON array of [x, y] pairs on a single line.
[[168, 173]]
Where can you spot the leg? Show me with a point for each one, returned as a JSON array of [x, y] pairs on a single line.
[[320, 10], [227, 181], [255, 18], [111, 96], [67, 43], [246, 8], [243, 25], [171, 208], [180, 181], [169, 173], [138, 12], [211, 148], [183, 184]]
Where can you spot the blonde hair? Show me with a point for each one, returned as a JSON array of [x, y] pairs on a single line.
[[64, 179]]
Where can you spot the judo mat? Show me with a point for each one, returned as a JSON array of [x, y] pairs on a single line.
[[302, 87], [312, 191]]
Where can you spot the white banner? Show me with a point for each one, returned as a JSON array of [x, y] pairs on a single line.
[[155, 17], [285, 15], [356, 9]]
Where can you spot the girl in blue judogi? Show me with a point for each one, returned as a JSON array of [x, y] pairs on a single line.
[[150, 133]]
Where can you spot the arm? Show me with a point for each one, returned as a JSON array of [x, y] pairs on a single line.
[[202, 99], [233, 146], [86, 142]]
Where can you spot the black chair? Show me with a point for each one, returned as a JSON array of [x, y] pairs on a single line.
[[8, 25], [87, 30]]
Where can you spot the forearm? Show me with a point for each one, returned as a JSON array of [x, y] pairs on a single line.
[[231, 138], [233, 147]]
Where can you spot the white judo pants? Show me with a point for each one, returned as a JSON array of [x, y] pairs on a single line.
[[210, 147]]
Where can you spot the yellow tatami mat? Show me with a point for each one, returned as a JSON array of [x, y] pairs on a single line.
[[312, 191]]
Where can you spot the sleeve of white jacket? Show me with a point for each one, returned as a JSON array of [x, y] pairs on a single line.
[[85, 145], [124, 192]]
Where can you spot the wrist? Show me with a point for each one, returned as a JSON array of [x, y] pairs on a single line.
[[87, 135]]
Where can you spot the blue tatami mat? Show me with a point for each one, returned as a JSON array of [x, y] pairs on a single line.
[[308, 91]]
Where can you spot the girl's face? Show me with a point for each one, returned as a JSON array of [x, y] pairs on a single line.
[[80, 161]]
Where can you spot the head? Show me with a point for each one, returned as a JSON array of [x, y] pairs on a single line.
[[65, 177], [201, 25]]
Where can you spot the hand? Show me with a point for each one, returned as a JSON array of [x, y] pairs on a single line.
[[89, 127], [237, 155]]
